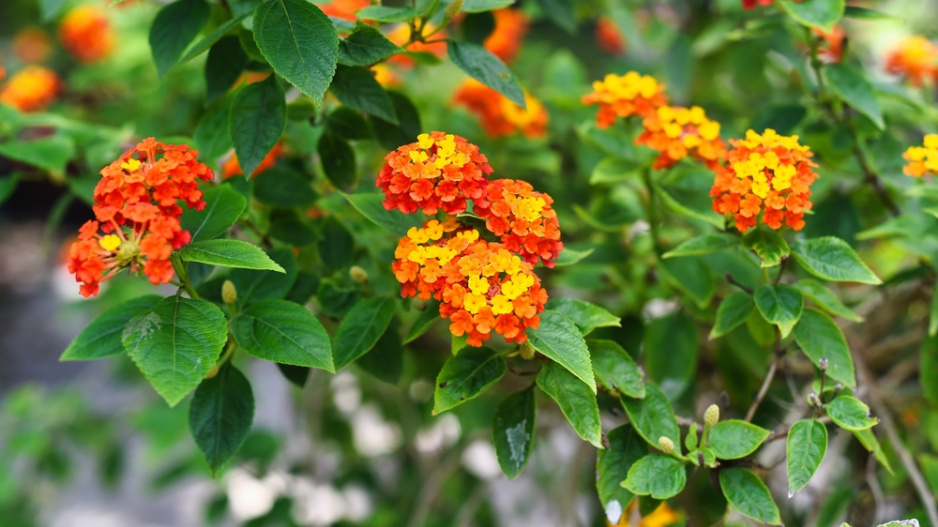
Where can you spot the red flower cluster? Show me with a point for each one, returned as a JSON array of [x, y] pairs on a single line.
[[439, 171], [137, 215], [482, 286]]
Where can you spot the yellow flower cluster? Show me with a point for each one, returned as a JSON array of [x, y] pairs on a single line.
[[517, 284], [625, 95], [922, 159], [755, 167], [675, 118], [446, 153], [433, 231]]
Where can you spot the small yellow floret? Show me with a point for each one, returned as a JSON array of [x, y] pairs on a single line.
[[111, 242]]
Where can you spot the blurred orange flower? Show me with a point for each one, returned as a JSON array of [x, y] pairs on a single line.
[[677, 132], [832, 49], [401, 35], [922, 159], [510, 28], [232, 167], [500, 116], [86, 33], [608, 36], [624, 96], [386, 76], [663, 516], [344, 9], [31, 89], [915, 58], [32, 45]]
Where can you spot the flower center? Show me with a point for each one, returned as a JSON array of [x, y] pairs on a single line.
[[127, 253]]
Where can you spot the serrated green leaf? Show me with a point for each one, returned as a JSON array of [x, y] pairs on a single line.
[[612, 468], [365, 46], [174, 28], [833, 259], [254, 286], [226, 60], [614, 368], [576, 401], [370, 206], [819, 338], [220, 415], [211, 133], [768, 245], [804, 450], [229, 253], [780, 305], [734, 439], [558, 338], [480, 64], [465, 376], [223, 207], [852, 86], [357, 88], [387, 14], [361, 328], [822, 14], [746, 493], [425, 320], [656, 475], [652, 416], [825, 299], [585, 315], [706, 244], [513, 431], [386, 360], [102, 338], [733, 312], [284, 187], [257, 120], [283, 332], [850, 413]]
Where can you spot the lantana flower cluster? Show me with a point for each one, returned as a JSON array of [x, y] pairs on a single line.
[[915, 58], [483, 286], [86, 33], [137, 213], [922, 159], [31, 89], [500, 116], [621, 96], [677, 132]]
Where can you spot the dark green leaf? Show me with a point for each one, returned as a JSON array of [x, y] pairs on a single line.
[[348, 124], [652, 416], [570, 256], [229, 253], [691, 276], [513, 431], [358, 89], [851, 85], [804, 450], [226, 60], [478, 6], [819, 338], [705, 244], [209, 40], [576, 401], [370, 206], [390, 135], [295, 374], [825, 299], [747, 494], [928, 374], [287, 226], [8, 186], [257, 120], [669, 353], [283, 187], [387, 14], [386, 360], [480, 64], [657, 475], [734, 439], [338, 161], [283, 332], [50, 154], [615, 369], [558, 338], [220, 415], [476, 27], [822, 14], [780, 305], [102, 338], [299, 42], [365, 46], [337, 245], [833, 259], [174, 28], [361, 328], [223, 207], [254, 286], [465, 376], [426, 319], [850, 413], [767, 244], [585, 315], [733, 311], [211, 134], [612, 468]]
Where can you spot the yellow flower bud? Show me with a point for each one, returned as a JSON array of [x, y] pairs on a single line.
[[666, 445], [527, 350], [229, 294], [358, 274], [712, 415]]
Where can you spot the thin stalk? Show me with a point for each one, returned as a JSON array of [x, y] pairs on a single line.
[[652, 210], [183, 275]]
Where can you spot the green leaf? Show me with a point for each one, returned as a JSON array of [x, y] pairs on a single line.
[[825, 299], [348, 124], [614, 170], [558, 338], [706, 244], [780, 305], [513, 431], [576, 401], [585, 315], [387, 14], [691, 276], [283, 187], [850, 413], [733, 312], [669, 353], [175, 343], [685, 198], [747, 494], [478, 6], [220, 415], [8, 186], [370, 206], [734, 439], [102, 338], [425, 320], [366, 46], [50, 154], [852, 86], [614, 368], [389, 135], [357, 88], [257, 120], [283, 332], [465, 376], [338, 161], [656, 475], [819, 338], [867, 14], [480, 64], [869, 442], [50, 9], [652, 416], [173, 29], [209, 40], [361, 328], [226, 60], [254, 286], [211, 134], [229, 253], [833, 259], [570, 256], [804, 450], [928, 371], [386, 360], [299, 42], [822, 14], [767, 244], [612, 468], [223, 207]]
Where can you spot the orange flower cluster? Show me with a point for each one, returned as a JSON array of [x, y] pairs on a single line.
[[677, 132], [499, 116], [31, 89], [832, 50], [86, 33], [510, 28], [344, 9], [32, 45], [766, 173], [421, 257], [922, 159], [137, 214], [232, 167], [624, 96], [523, 220], [439, 171], [608, 37], [915, 58]]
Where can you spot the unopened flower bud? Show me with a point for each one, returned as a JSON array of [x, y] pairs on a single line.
[[823, 364], [451, 11], [358, 274], [712, 415], [813, 399], [527, 350], [666, 445], [229, 294]]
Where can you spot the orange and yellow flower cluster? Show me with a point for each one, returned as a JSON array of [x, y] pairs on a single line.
[[31, 89], [483, 287], [624, 96], [510, 27], [499, 116], [915, 58], [677, 132], [86, 33], [768, 174], [137, 213], [922, 159]]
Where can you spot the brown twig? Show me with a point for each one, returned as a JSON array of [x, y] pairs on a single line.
[[765, 388], [737, 283]]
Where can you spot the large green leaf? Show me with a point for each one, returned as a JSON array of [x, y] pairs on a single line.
[[283, 332], [465, 376], [669, 353], [369, 205], [804, 450], [254, 286], [361, 328], [226, 60], [425, 320], [733, 311], [299, 42], [576, 401], [822, 14], [175, 344], [614, 368], [387, 14], [102, 338], [825, 299], [869, 442], [558, 338], [746, 493], [211, 133], [480, 64], [223, 207], [652, 416], [386, 359], [691, 276], [658, 476], [390, 135], [220, 415], [780, 305], [513, 431], [357, 88], [365, 46], [338, 160], [209, 40], [819, 338], [833, 259], [229, 253], [257, 120], [768, 245], [612, 468], [734, 439], [50, 154], [284, 187], [174, 28], [852, 86], [706, 244], [850, 413], [585, 315]]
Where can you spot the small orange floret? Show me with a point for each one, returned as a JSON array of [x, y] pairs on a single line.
[[608, 37], [344, 9], [32, 45], [137, 215], [423, 254], [677, 132], [510, 28], [523, 219], [439, 172], [832, 50], [499, 116], [915, 58], [86, 33], [624, 96], [922, 159], [31, 89], [232, 166], [769, 174]]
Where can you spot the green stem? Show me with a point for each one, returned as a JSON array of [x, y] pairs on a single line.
[[652, 210], [184, 277], [229, 351]]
